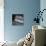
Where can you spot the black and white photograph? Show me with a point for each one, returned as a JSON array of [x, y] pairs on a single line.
[[17, 19]]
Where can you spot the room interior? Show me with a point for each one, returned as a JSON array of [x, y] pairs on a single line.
[[17, 25]]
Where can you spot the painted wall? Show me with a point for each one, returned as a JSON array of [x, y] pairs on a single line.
[[26, 7], [1, 20], [43, 6]]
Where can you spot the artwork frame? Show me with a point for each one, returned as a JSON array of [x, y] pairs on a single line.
[[17, 19]]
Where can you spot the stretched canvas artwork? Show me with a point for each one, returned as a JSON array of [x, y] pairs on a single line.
[[17, 19]]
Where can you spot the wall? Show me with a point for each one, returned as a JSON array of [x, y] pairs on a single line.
[[26, 7], [43, 6], [1, 20]]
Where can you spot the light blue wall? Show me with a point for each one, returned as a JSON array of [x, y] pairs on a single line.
[[26, 7], [43, 6]]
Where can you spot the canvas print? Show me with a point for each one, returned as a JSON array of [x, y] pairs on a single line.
[[17, 19]]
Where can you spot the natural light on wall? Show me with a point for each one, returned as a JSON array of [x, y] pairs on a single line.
[[1, 20]]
